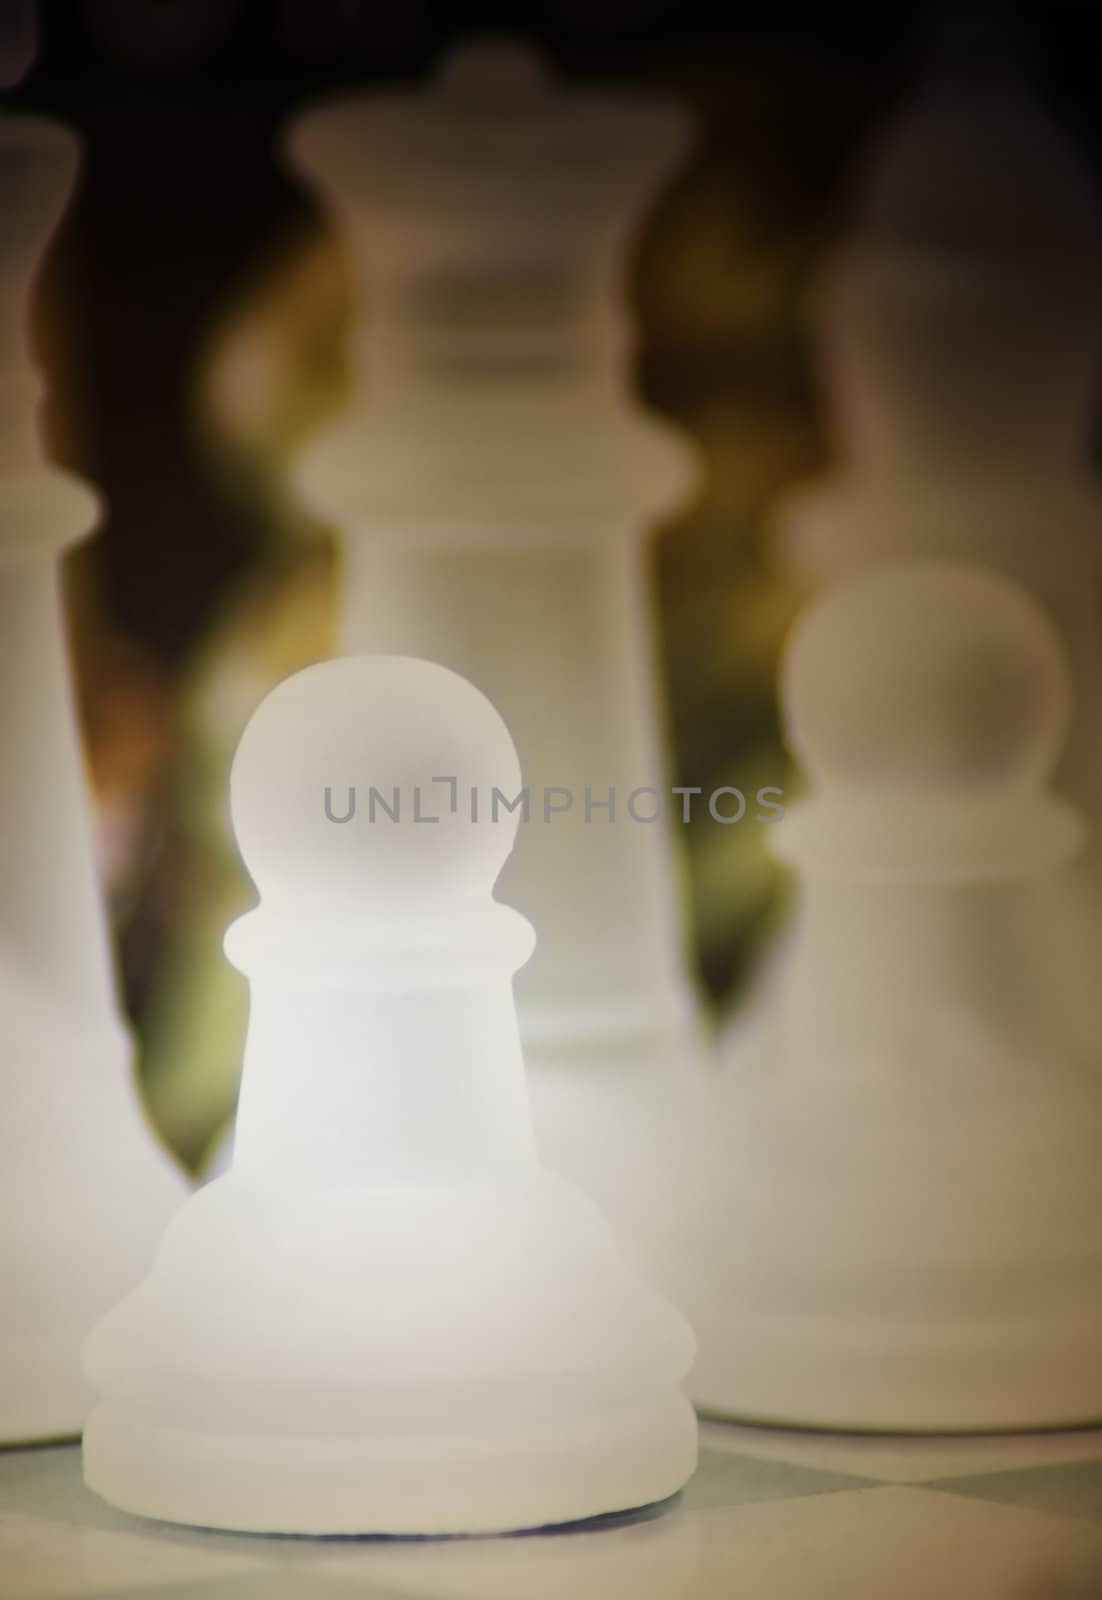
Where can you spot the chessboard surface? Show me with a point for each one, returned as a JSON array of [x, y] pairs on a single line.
[[771, 1515]]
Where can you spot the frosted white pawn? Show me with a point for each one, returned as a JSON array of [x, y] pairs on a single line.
[[913, 1223], [388, 1317]]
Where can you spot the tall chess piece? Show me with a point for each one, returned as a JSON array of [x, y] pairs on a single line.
[[494, 483], [913, 1233], [960, 331], [84, 1189], [388, 1317]]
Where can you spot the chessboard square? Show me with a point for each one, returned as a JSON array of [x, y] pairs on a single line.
[[270, 1584], [899, 1541], [49, 1484], [1071, 1488], [724, 1478], [42, 1558]]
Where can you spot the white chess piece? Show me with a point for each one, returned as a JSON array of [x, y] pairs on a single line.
[[914, 1228], [388, 1317], [493, 486], [960, 331], [84, 1188]]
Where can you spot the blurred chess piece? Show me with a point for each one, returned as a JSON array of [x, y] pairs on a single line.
[[493, 484], [913, 1227], [387, 1317], [18, 39], [961, 339], [84, 1187]]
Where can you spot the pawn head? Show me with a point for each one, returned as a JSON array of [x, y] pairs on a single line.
[[927, 676], [352, 786]]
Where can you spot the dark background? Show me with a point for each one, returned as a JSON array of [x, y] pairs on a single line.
[[183, 197]]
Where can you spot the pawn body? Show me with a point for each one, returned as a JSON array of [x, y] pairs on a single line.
[[387, 1318], [911, 1232]]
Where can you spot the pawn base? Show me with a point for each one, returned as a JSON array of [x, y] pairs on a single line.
[[344, 1356], [920, 1253], [395, 1483], [865, 1377]]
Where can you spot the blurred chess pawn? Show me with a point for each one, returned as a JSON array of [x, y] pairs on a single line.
[[84, 1187], [960, 331], [388, 1317], [913, 1232]]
